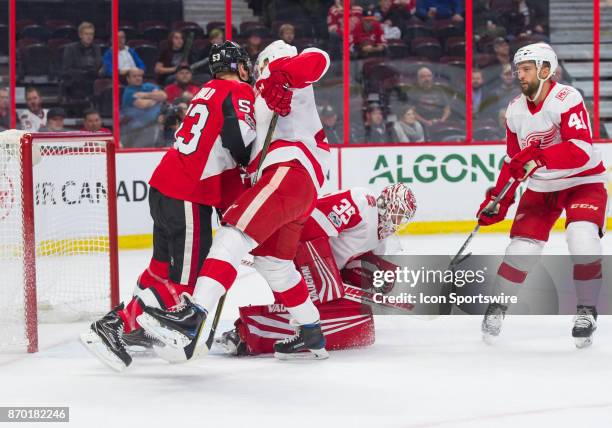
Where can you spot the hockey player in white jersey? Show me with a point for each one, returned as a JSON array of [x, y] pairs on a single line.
[[268, 218], [548, 135], [342, 242]]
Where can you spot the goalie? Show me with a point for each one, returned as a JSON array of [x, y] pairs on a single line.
[[346, 229]]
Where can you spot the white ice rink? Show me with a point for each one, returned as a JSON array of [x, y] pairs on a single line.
[[418, 374]]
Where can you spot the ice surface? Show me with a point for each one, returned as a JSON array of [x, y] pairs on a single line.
[[418, 374]]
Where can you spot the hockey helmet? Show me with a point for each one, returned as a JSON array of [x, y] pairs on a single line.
[[275, 50], [226, 56], [396, 206], [538, 53]]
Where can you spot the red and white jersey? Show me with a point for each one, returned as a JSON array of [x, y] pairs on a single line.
[[299, 135], [350, 219], [32, 122], [214, 139], [560, 122]]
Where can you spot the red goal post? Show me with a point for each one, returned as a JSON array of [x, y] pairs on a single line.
[[58, 231]]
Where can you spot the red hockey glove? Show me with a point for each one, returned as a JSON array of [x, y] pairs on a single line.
[[274, 91], [526, 162], [489, 214]]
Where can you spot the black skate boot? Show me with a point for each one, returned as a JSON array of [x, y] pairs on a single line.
[[585, 323], [492, 322], [179, 328], [307, 343], [231, 343], [105, 340]]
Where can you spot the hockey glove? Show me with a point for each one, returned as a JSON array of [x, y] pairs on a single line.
[[488, 213], [275, 92], [526, 162]]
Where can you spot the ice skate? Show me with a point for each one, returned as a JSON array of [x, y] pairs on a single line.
[[179, 328], [585, 323], [492, 322], [105, 340], [307, 343], [231, 343]]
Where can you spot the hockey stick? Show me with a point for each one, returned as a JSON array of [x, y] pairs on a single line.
[[221, 303], [266, 145], [459, 257]]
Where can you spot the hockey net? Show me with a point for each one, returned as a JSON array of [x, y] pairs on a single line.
[[58, 248]]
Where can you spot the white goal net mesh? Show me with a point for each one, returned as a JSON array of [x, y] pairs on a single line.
[[71, 233]]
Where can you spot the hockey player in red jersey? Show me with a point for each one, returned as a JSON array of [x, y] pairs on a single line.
[[201, 172], [346, 229], [548, 135], [267, 219]]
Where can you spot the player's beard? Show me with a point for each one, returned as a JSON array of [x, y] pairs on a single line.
[[531, 89]]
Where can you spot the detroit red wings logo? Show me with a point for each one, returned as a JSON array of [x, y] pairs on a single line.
[[542, 139]]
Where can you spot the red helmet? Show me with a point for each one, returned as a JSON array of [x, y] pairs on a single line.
[[396, 205]]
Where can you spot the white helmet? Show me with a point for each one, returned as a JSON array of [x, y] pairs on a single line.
[[275, 50], [539, 53], [396, 205]]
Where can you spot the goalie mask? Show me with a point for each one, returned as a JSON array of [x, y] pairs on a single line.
[[396, 206]]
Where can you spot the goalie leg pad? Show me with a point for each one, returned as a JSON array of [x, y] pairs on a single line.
[[315, 262], [345, 325]]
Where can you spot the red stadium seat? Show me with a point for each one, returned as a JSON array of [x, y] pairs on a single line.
[[35, 60], [455, 46], [428, 47]]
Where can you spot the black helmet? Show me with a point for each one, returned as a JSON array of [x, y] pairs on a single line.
[[225, 57]]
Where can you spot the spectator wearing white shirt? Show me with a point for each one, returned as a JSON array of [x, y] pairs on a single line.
[[34, 116], [128, 58]]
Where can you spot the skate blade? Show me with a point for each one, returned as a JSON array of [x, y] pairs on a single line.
[[583, 342], [316, 354], [169, 337], [98, 349], [227, 348], [490, 339]]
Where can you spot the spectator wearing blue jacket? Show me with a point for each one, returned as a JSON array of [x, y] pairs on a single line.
[[440, 9], [128, 58]]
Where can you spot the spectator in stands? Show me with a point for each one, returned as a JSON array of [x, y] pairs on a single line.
[[376, 130], [335, 16], [501, 47], [34, 116], [440, 9], [55, 121], [171, 57], [408, 129], [171, 118], [128, 58], [331, 126], [368, 36], [254, 44], [483, 104], [183, 87], [408, 7], [215, 37], [390, 31], [387, 11], [431, 103], [508, 89], [140, 108], [5, 113], [92, 122], [286, 32], [81, 64]]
